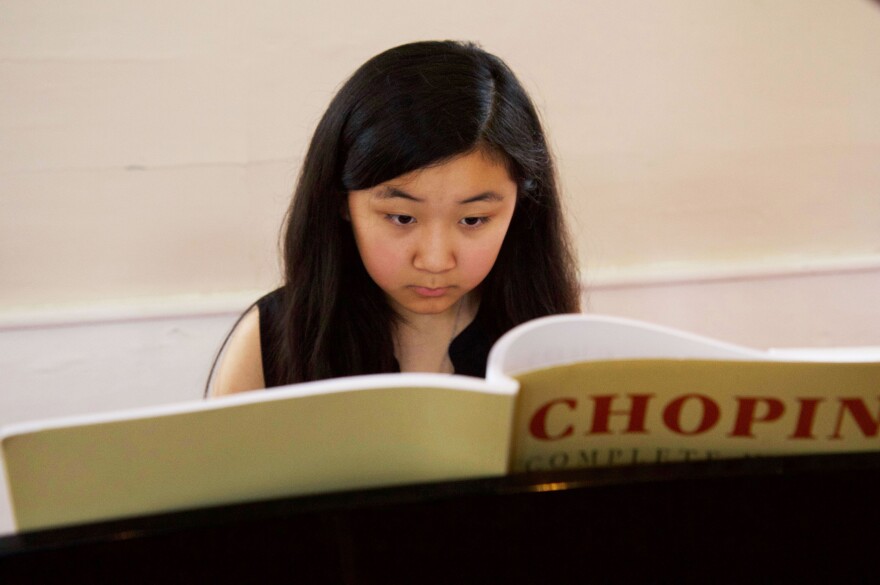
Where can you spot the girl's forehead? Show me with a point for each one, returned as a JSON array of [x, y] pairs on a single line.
[[462, 176]]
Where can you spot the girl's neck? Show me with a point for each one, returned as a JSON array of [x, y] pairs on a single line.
[[421, 342]]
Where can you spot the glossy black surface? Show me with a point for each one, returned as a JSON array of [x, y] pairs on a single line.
[[788, 519]]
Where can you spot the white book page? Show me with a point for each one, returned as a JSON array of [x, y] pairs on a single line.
[[566, 339]]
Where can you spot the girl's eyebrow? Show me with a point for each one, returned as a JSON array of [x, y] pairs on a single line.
[[394, 193]]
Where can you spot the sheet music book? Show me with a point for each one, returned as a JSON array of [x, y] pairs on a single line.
[[561, 392]]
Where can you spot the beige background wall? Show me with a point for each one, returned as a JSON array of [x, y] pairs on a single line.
[[147, 150]]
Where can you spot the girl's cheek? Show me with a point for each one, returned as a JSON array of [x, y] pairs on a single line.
[[482, 257], [382, 258]]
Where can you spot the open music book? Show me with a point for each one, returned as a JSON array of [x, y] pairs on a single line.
[[561, 392]]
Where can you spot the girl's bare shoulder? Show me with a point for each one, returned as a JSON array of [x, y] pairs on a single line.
[[240, 367]]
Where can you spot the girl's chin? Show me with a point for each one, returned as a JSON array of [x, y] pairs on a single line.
[[425, 305]]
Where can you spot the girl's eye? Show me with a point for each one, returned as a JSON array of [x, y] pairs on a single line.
[[398, 219], [474, 221]]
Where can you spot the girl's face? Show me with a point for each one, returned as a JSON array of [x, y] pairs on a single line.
[[429, 237]]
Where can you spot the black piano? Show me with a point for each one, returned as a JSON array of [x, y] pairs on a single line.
[[763, 520]]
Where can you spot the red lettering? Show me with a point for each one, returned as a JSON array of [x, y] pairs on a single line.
[[636, 413], [860, 413], [806, 415], [672, 414], [745, 414], [538, 423]]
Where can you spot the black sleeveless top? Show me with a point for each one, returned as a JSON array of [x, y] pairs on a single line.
[[468, 352]]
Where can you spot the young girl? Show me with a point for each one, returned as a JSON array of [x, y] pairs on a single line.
[[426, 223]]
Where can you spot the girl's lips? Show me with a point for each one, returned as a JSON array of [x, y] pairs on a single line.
[[430, 292]]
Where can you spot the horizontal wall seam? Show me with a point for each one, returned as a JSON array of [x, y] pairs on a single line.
[[668, 276], [232, 304]]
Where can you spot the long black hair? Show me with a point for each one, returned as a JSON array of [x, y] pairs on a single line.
[[407, 108]]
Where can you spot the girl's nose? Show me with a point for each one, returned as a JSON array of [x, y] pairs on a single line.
[[435, 251]]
